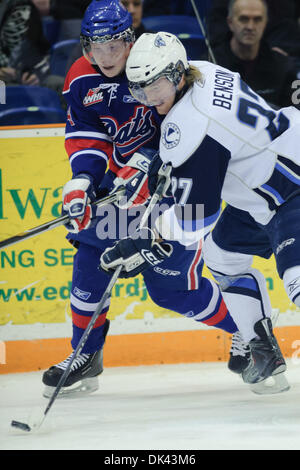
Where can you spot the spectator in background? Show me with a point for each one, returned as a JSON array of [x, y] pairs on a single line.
[[135, 8], [282, 30], [43, 6], [24, 52], [268, 72]]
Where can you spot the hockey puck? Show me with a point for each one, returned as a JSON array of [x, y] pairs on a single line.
[[19, 425]]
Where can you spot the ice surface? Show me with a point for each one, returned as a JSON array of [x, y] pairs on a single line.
[[178, 407]]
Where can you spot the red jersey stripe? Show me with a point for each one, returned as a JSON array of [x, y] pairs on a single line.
[[218, 317], [193, 269]]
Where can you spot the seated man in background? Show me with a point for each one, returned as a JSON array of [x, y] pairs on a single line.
[[282, 31], [267, 71]]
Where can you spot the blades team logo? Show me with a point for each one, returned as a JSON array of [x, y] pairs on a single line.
[[171, 135], [159, 42], [95, 95]]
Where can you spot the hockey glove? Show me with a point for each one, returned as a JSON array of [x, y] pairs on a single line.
[[77, 195], [155, 171], [134, 178], [136, 254]]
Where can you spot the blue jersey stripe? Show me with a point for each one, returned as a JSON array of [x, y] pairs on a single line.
[[283, 182], [295, 179], [246, 282], [195, 225], [274, 192], [294, 167]]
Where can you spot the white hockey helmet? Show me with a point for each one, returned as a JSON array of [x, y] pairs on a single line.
[[155, 55]]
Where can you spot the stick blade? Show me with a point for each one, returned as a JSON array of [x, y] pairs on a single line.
[[35, 420], [22, 426]]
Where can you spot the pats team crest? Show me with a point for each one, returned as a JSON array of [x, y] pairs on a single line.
[[171, 135], [132, 134]]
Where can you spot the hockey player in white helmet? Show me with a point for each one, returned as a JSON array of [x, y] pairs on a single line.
[[225, 143], [157, 79]]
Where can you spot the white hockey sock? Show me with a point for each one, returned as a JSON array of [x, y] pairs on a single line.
[[247, 300], [291, 279]]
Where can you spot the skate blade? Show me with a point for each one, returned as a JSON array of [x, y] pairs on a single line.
[[85, 387], [274, 384]]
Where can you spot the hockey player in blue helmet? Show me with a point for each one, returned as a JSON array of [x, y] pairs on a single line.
[[107, 35], [107, 133]]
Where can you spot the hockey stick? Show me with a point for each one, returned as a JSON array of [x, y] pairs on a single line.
[[203, 32], [38, 421], [55, 222]]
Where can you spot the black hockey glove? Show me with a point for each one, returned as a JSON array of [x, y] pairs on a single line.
[[136, 254]]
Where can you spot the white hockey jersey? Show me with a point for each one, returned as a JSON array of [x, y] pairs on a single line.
[[226, 143]]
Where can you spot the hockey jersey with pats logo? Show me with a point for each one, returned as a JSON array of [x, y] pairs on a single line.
[[226, 143], [105, 125]]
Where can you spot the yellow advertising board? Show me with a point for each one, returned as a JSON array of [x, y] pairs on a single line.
[[36, 274]]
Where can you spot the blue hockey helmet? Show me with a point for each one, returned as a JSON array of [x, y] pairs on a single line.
[[106, 20]]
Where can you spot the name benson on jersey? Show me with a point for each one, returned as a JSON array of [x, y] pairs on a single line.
[[223, 89]]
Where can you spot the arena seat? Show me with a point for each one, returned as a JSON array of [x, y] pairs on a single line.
[[24, 95], [31, 115], [194, 44], [175, 24], [51, 28], [59, 56]]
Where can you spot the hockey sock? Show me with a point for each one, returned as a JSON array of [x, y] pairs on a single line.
[[247, 299], [291, 279], [96, 338]]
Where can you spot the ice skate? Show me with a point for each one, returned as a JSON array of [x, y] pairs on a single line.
[[240, 354], [83, 377], [265, 372]]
